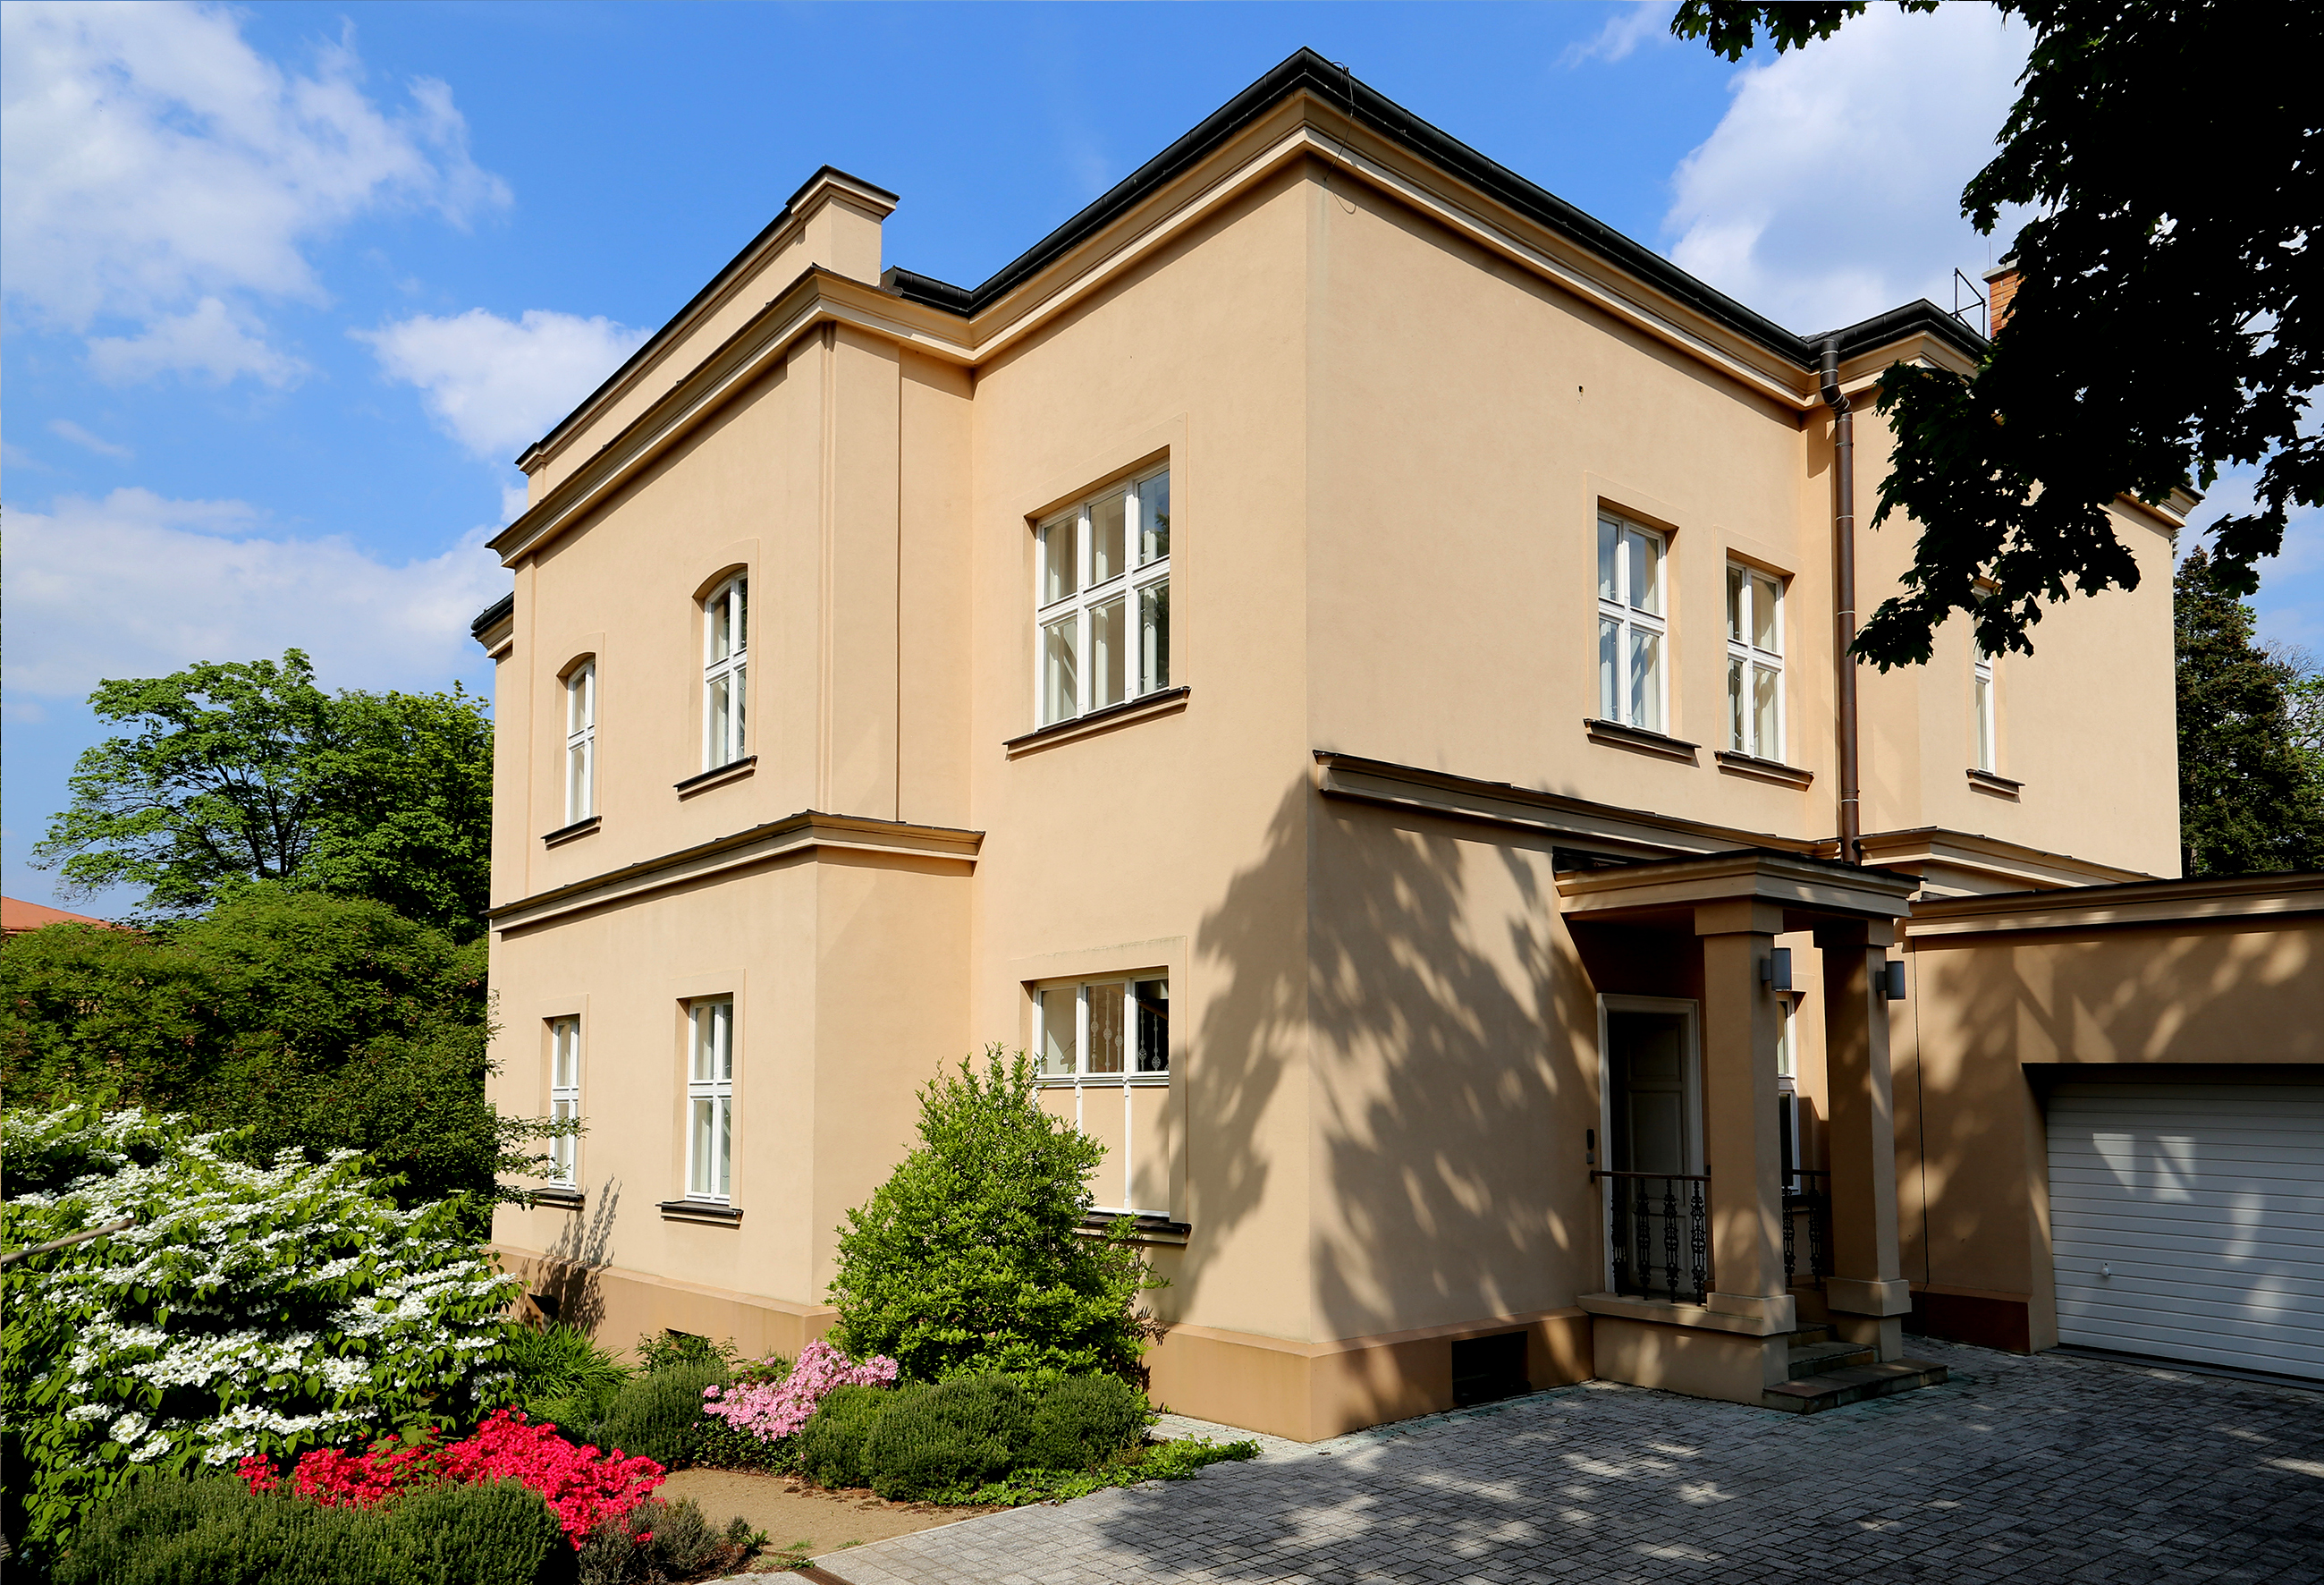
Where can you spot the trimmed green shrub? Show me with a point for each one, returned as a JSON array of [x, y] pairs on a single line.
[[971, 1256], [657, 1417], [831, 1445], [961, 1432], [660, 1541], [1080, 1421], [214, 1530]]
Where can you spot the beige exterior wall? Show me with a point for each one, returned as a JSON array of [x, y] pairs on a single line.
[[1389, 435]]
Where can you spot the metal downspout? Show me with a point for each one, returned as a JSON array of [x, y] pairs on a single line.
[[1843, 537]]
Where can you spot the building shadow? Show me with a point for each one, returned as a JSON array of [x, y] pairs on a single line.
[[564, 1283]]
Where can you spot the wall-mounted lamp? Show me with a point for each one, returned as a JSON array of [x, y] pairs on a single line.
[[1893, 978], [1776, 970]]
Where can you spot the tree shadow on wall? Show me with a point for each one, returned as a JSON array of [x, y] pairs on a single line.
[[565, 1282], [1397, 998]]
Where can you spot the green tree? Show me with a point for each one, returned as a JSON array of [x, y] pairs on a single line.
[[247, 772], [2165, 321], [971, 1256], [293, 1018], [2251, 798]]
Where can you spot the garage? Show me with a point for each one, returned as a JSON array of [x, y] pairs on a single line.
[[2187, 1221]]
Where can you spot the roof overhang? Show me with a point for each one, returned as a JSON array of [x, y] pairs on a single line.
[[1778, 892], [2245, 901]]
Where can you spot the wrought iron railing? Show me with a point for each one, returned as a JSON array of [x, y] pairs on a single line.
[[1807, 1197], [1659, 1214]]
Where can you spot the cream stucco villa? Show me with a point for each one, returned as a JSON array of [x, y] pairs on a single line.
[[1335, 651]]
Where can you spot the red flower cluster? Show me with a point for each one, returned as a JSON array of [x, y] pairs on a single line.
[[581, 1486]]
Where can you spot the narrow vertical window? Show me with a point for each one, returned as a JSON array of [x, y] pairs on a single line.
[[1104, 1039], [1631, 627], [1754, 664], [1981, 673], [725, 668], [565, 1095], [710, 1101], [1102, 598], [581, 743]]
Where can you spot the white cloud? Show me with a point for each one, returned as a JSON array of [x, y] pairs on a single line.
[[137, 585], [151, 162], [65, 428], [497, 384], [1831, 190], [1633, 24], [211, 341]]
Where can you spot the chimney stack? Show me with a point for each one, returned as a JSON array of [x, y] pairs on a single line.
[[2000, 287]]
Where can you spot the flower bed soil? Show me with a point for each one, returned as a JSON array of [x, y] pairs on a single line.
[[790, 1511]]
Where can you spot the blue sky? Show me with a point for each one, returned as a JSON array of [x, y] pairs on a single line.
[[287, 286]]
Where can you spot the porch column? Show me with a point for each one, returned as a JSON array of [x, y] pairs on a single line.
[[1866, 1293], [1742, 1144]]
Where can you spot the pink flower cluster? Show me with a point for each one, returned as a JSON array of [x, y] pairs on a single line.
[[580, 1486], [773, 1410]]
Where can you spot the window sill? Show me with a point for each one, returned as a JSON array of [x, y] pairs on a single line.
[[1143, 1230], [1638, 740], [558, 1197], [708, 1212], [718, 776], [1104, 1080], [1994, 786], [1762, 770], [564, 834], [1163, 703]]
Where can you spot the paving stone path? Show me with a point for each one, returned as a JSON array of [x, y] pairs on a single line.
[[2041, 1468]]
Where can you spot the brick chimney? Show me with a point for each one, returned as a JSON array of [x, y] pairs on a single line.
[[2000, 287]]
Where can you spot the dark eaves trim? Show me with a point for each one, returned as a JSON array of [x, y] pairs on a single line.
[[1367, 105], [500, 610]]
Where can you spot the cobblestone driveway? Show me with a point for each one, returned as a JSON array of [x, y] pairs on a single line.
[[2019, 1468]]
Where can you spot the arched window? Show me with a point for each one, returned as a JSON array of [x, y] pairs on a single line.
[[725, 649], [581, 742]]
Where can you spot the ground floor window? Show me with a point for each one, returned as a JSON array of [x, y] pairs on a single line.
[[710, 1101], [1106, 1045]]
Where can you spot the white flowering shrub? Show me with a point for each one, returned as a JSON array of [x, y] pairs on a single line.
[[248, 1309]]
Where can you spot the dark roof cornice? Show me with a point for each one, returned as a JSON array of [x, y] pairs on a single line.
[[499, 611]]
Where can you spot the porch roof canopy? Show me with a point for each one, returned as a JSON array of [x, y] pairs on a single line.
[[1783, 892]]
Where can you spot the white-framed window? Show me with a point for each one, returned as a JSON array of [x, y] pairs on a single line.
[[1982, 681], [1631, 627], [710, 1100], [726, 672], [1106, 1038], [1755, 663], [564, 1094], [1102, 600], [581, 742]]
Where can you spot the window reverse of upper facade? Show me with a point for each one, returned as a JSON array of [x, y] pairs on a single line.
[[581, 742], [1102, 600], [726, 672], [1631, 627], [1755, 663]]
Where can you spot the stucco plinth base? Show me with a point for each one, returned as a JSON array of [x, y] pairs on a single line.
[[1689, 1348], [1310, 1391], [616, 1307]]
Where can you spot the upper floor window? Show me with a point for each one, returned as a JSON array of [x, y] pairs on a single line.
[[710, 1101], [1103, 600], [1754, 664], [1981, 681], [564, 1094], [725, 667], [581, 742], [1109, 1030], [1631, 627]]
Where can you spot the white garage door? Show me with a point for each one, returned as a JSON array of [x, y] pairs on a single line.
[[2188, 1221]]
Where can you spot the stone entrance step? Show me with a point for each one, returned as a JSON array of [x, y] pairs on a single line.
[[1819, 1359], [1812, 1395]]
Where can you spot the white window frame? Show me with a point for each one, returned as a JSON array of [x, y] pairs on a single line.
[[1141, 1068], [710, 1099], [565, 1095], [1618, 606], [724, 741], [1742, 716], [1073, 617], [1983, 708], [581, 742]]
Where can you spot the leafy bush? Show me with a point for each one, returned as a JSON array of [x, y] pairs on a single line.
[[773, 1409], [657, 1417], [660, 1350], [557, 1373], [1080, 1421], [168, 1530], [659, 1541], [832, 1446], [969, 1257], [1169, 1461], [245, 1311]]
